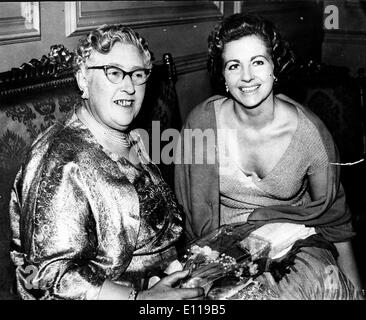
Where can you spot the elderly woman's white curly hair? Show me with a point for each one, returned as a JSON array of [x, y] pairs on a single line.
[[102, 40]]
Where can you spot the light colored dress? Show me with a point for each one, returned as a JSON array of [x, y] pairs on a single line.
[[314, 274], [285, 184], [81, 215]]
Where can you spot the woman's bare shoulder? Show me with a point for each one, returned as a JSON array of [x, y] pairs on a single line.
[[287, 109]]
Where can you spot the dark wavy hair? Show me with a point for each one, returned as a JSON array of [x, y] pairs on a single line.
[[240, 25], [102, 40]]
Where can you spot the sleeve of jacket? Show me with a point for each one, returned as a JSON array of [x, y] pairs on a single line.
[[63, 237]]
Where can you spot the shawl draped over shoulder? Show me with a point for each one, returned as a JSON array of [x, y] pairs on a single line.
[[197, 185]]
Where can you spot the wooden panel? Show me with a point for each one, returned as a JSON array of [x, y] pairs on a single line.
[[19, 22], [83, 16], [191, 63], [344, 36], [229, 7], [188, 63], [352, 3]]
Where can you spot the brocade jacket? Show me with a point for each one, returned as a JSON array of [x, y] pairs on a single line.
[[81, 215]]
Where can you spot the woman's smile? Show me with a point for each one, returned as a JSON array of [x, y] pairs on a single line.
[[124, 102], [249, 89]]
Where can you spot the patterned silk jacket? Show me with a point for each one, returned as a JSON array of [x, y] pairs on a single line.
[[81, 215]]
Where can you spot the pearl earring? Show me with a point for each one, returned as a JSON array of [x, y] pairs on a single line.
[[85, 94], [226, 88]]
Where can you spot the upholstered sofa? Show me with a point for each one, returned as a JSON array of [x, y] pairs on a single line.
[[42, 91]]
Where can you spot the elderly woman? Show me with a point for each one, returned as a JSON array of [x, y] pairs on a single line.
[[91, 217], [272, 162]]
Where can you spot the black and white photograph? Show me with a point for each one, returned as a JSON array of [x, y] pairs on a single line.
[[200, 151]]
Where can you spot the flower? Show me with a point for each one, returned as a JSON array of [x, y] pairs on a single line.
[[206, 251], [220, 264], [207, 265]]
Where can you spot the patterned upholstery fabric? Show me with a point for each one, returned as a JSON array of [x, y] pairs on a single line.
[[339, 109], [21, 121], [332, 94]]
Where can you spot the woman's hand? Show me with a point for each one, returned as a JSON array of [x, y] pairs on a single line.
[[347, 263], [163, 290]]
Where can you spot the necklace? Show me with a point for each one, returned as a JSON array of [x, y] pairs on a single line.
[[105, 134]]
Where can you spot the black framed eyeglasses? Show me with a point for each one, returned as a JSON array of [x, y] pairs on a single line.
[[116, 75]]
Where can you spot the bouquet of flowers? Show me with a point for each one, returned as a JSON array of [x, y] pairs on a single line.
[[228, 262], [225, 266]]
